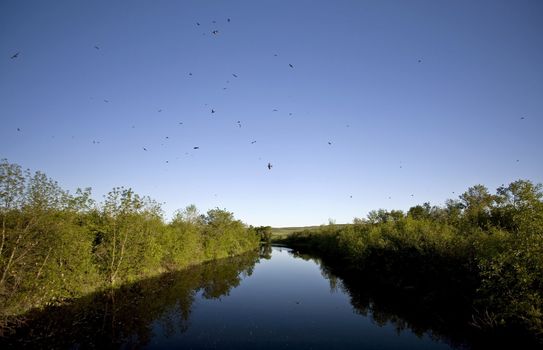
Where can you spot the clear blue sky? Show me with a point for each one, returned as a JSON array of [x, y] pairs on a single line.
[[397, 126]]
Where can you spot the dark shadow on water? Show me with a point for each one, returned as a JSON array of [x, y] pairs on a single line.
[[442, 315], [129, 316], [124, 317]]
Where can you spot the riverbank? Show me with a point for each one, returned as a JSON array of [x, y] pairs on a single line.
[[57, 246], [481, 257]]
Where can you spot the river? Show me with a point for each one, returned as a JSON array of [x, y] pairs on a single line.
[[277, 299]]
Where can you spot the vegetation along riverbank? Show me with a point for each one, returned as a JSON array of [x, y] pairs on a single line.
[[56, 245], [481, 253]]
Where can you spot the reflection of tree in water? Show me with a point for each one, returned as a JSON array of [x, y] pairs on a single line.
[[404, 309], [266, 251], [126, 315]]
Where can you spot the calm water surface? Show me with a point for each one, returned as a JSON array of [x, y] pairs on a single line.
[[276, 300]]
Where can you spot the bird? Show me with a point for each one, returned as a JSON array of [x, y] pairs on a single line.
[[167, 137], [196, 147], [350, 196], [212, 111], [180, 123], [275, 110], [190, 74], [15, 55], [18, 129], [160, 110], [274, 55], [228, 20], [215, 32], [214, 22], [413, 195], [517, 160], [145, 149], [270, 166], [290, 65], [106, 101], [522, 118], [239, 123], [329, 142], [197, 23], [290, 114], [97, 47], [253, 142], [420, 61], [235, 76], [167, 162]]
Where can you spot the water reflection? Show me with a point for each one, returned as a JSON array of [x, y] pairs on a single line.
[[272, 298], [125, 317]]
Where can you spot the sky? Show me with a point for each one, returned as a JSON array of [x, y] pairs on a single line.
[[388, 104]]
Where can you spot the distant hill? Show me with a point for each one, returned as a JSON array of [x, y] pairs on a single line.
[[280, 232]]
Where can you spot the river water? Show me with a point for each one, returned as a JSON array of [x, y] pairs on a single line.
[[276, 300]]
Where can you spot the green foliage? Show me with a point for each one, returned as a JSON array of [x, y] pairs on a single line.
[[56, 245], [486, 248], [265, 233]]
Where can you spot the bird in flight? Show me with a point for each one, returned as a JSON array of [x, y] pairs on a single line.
[[15, 55], [420, 61], [270, 166], [235, 76], [180, 123], [97, 47], [160, 110], [215, 32], [196, 147], [228, 20], [197, 23], [145, 149], [253, 142], [329, 142], [275, 110], [522, 118], [212, 111], [290, 65], [106, 101], [18, 129], [239, 123]]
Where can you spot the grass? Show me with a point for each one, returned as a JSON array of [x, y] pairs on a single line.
[[279, 233]]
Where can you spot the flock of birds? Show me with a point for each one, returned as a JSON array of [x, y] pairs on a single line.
[[213, 111], [215, 32]]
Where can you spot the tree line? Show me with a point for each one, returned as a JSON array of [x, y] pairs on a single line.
[[57, 245], [484, 250]]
